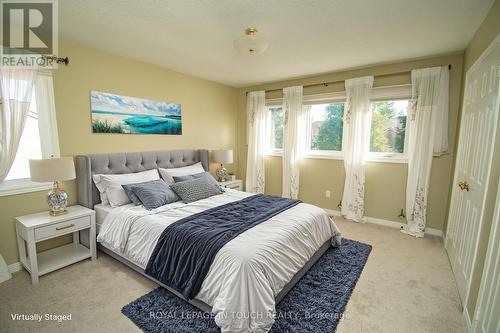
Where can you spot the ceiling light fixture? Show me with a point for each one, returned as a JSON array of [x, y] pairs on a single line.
[[250, 43]]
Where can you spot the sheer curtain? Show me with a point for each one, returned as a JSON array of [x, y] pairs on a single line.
[[46, 106], [356, 140], [441, 116], [428, 135], [293, 138], [16, 87], [256, 129]]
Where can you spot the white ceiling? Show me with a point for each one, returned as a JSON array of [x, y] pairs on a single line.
[[306, 36]]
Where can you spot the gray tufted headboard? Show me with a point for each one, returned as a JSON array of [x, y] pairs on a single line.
[[116, 163]]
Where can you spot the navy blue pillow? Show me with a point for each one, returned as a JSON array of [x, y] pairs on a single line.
[[130, 194], [154, 194], [205, 174], [182, 178]]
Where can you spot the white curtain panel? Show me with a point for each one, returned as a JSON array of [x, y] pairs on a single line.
[[428, 135], [16, 87], [441, 116], [356, 141], [293, 139], [256, 129], [46, 106]]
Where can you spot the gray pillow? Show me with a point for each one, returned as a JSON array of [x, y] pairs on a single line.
[[154, 194], [131, 195], [205, 174], [188, 177], [195, 189]]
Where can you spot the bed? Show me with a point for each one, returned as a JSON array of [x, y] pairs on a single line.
[[249, 275]]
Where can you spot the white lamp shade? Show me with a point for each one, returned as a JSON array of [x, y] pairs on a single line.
[[223, 156], [52, 169]]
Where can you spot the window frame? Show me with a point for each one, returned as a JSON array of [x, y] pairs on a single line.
[[384, 93], [390, 93], [49, 146], [315, 100], [268, 151]]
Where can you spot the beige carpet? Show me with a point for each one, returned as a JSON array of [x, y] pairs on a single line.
[[406, 286]]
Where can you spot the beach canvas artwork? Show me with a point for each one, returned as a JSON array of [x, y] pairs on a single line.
[[130, 115]]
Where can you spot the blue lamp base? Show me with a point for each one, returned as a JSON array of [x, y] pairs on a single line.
[[57, 199]]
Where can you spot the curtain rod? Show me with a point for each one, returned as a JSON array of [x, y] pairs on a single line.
[[59, 60], [326, 84]]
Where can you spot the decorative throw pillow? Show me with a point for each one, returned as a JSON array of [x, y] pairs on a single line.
[[178, 179], [195, 189], [168, 174], [206, 175], [154, 194], [131, 195]]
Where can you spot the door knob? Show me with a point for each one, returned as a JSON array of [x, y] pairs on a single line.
[[464, 186]]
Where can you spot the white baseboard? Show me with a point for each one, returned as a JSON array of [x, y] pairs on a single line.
[[332, 212], [387, 223], [15, 267]]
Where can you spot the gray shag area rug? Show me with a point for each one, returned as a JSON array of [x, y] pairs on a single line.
[[315, 304]]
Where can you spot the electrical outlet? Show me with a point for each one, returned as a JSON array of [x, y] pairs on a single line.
[[328, 194]]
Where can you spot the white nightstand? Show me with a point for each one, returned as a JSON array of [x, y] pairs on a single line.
[[42, 226], [233, 184]]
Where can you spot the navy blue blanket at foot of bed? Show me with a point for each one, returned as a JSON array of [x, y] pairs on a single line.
[[186, 249]]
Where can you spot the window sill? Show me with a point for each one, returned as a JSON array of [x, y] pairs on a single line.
[[370, 159], [392, 159], [323, 156], [275, 154], [20, 186]]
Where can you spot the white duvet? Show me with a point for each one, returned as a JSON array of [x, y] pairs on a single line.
[[248, 272]]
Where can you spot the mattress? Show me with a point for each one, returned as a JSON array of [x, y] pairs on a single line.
[[101, 212], [248, 272]]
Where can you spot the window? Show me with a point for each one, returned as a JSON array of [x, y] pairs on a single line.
[[29, 146], [38, 140], [388, 128], [326, 126], [275, 129]]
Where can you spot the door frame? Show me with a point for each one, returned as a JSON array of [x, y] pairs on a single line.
[[486, 52]]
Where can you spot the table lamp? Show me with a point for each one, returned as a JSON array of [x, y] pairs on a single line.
[[54, 170], [222, 156]]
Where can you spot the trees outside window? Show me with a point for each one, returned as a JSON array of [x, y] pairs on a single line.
[[327, 126], [388, 127]]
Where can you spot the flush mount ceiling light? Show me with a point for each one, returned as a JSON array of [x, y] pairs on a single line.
[[250, 43]]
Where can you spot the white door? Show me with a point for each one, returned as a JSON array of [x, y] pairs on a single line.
[[487, 314], [472, 171]]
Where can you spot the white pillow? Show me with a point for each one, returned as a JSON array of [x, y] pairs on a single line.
[[117, 195], [103, 181], [167, 174]]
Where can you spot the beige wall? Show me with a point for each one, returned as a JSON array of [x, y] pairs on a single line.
[[486, 33], [385, 182], [214, 116], [208, 119]]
